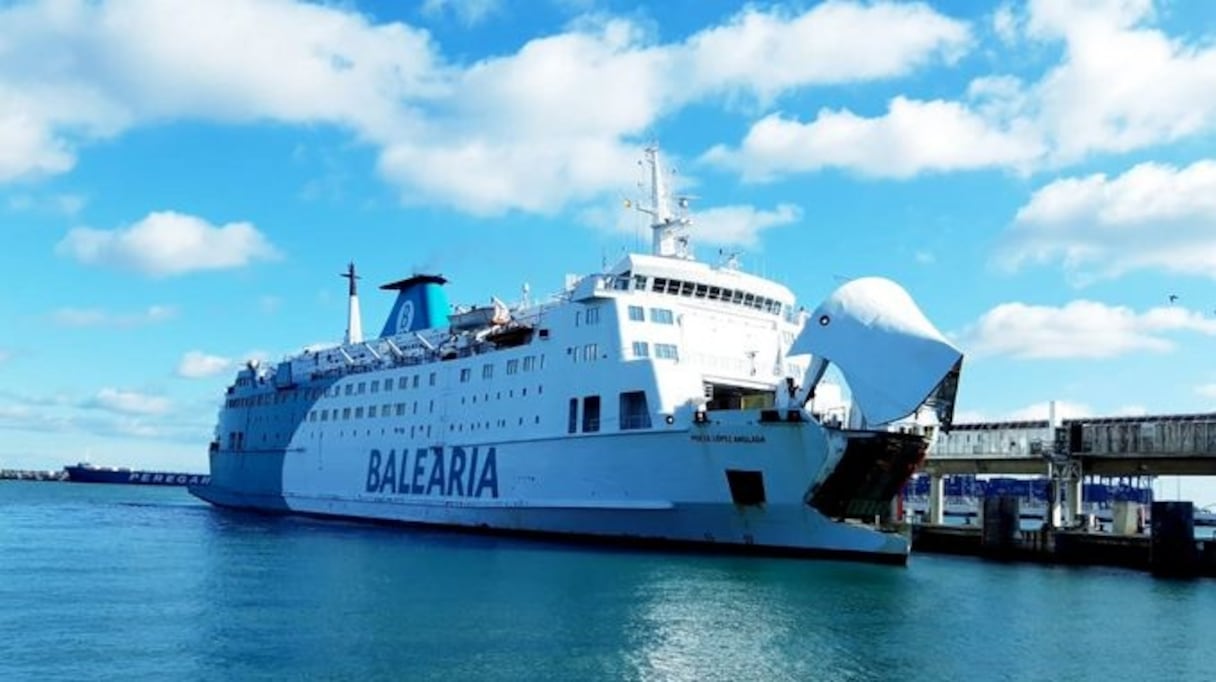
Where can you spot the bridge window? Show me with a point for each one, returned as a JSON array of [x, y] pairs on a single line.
[[634, 412], [639, 282], [666, 351], [591, 414], [641, 349], [636, 313]]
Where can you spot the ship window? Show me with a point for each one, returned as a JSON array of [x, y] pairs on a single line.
[[388, 384], [542, 362], [572, 419], [660, 283], [402, 382], [701, 290], [591, 414], [634, 413], [590, 352], [371, 411], [375, 387], [358, 413], [661, 316], [415, 381], [593, 315], [641, 349], [714, 293], [636, 313], [487, 371], [400, 410], [464, 375], [324, 415], [666, 351], [346, 413], [513, 366], [431, 407], [384, 409], [432, 378], [529, 363], [362, 386], [578, 318], [686, 289], [639, 282]]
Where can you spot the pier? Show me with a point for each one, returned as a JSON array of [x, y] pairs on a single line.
[[1065, 452]]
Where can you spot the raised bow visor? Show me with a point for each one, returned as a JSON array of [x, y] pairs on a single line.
[[892, 357]]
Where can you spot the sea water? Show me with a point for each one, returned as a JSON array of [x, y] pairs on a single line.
[[128, 582]]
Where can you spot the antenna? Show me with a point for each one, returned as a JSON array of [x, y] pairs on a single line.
[[668, 227]]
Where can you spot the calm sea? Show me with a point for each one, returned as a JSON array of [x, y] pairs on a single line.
[[129, 583]]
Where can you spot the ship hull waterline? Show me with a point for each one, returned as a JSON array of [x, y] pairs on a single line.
[[668, 489]]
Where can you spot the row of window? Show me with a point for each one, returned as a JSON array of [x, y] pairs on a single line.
[[371, 411], [663, 351], [677, 287], [657, 315], [529, 364]]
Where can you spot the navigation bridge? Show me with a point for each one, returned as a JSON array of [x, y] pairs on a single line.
[[1067, 450]]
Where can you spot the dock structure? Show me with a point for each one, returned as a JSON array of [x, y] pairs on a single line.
[[1065, 451]]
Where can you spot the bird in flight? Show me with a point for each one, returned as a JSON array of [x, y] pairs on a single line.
[[1173, 297]]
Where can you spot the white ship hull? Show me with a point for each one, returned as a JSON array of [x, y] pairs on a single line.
[[668, 487]]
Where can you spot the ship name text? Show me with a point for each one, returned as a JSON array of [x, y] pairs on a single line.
[[434, 471]]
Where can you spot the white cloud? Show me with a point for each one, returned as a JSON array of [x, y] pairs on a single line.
[[128, 402], [741, 225], [167, 243], [535, 130], [197, 364], [912, 137], [768, 52], [1153, 216], [1206, 390], [1080, 329], [99, 317], [468, 12], [1121, 85]]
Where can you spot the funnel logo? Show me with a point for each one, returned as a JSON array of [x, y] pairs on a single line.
[[406, 319]]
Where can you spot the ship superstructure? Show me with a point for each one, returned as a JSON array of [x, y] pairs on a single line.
[[665, 400]]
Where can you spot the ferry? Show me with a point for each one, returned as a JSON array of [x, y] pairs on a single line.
[[85, 472], [664, 401]]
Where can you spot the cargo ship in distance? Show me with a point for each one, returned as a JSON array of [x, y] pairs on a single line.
[[85, 472], [663, 401]]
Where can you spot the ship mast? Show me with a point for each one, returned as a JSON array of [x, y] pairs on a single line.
[[668, 228], [354, 323]]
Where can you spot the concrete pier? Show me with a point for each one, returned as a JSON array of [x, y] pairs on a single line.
[[999, 529], [1174, 552]]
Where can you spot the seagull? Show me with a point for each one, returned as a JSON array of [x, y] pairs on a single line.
[[1173, 297]]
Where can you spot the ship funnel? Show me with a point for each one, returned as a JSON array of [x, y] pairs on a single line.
[[421, 304], [892, 357]]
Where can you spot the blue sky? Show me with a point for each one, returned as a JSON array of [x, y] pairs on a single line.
[[182, 182]]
